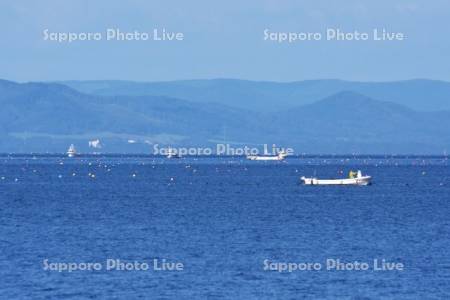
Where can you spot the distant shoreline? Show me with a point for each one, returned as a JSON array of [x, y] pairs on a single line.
[[144, 155]]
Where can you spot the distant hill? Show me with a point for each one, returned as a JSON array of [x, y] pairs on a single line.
[[420, 94], [47, 117], [351, 122]]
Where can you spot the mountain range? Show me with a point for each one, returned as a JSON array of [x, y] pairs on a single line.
[[326, 116], [419, 94]]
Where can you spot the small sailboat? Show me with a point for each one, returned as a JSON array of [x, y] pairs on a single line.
[[280, 156], [354, 179], [71, 152]]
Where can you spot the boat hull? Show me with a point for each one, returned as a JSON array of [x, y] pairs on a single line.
[[364, 180], [265, 158]]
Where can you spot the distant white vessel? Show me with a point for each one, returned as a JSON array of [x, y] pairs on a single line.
[[359, 179], [280, 156], [171, 153], [71, 152]]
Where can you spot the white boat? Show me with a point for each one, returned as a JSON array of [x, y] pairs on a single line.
[[358, 180], [71, 152], [171, 153], [280, 156]]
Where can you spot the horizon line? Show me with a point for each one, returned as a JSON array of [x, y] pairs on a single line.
[[225, 79]]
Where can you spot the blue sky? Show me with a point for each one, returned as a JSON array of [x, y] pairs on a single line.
[[225, 40]]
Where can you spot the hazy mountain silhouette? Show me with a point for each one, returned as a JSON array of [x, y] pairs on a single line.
[[351, 122], [47, 117], [420, 94]]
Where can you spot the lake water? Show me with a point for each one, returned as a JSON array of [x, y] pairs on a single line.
[[222, 218]]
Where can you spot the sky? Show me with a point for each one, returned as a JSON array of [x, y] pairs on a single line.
[[224, 39]]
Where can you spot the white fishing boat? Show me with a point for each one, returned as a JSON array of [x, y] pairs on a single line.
[[71, 152], [280, 156], [359, 179]]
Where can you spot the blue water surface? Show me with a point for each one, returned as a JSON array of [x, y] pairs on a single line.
[[222, 218]]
